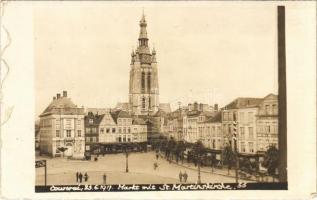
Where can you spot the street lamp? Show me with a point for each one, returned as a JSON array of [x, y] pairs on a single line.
[[199, 180], [198, 152], [126, 161]]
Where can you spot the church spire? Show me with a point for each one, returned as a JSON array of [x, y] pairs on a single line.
[[143, 40]]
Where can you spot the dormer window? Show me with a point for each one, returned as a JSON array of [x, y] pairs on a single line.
[[91, 121]]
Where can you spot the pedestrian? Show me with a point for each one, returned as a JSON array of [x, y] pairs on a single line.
[[77, 177], [185, 176], [157, 156], [80, 176], [86, 177], [180, 176], [104, 178], [155, 165]]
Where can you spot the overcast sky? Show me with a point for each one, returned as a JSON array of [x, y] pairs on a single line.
[[206, 52]]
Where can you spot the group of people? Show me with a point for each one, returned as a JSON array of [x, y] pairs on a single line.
[[80, 177], [183, 177]]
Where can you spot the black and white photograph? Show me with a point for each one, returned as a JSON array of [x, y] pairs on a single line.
[[164, 96]]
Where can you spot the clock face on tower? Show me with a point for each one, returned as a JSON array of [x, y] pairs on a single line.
[[146, 59]]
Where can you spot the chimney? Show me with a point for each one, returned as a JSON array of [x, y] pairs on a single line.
[[58, 95], [54, 98], [216, 107], [64, 93], [195, 106], [189, 107]]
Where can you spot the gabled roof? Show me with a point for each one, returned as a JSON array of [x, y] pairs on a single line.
[[138, 121], [96, 119], [244, 102], [271, 95], [62, 105], [119, 114], [214, 119]]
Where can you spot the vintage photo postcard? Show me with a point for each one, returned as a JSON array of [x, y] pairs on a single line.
[[158, 100]]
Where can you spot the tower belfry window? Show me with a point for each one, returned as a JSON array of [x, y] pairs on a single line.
[[143, 81], [149, 81], [143, 102]]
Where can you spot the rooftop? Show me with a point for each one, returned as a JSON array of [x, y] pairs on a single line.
[[62, 105]]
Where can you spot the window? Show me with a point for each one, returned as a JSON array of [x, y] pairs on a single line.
[[87, 139], [78, 122], [230, 116], [87, 130], [149, 81], [108, 130], [129, 139], [129, 130], [143, 103], [94, 130], [242, 119], [94, 139], [235, 116], [101, 130], [219, 131], [58, 124], [149, 103], [251, 132], [274, 109], [225, 116], [79, 133], [91, 121], [113, 130], [120, 130], [267, 129], [251, 147], [267, 108], [143, 81], [68, 122], [213, 144], [242, 132], [68, 133], [242, 147], [58, 133], [124, 139], [250, 117], [124, 130]]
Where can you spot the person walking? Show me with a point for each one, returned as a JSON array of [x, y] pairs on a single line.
[[155, 165], [180, 176], [185, 176], [80, 176], [104, 178], [77, 177], [86, 177], [157, 156]]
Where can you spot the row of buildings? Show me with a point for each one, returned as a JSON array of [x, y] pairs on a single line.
[[63, 124], [255, 121]]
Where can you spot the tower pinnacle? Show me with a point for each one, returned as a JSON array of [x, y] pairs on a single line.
[[143, 33]]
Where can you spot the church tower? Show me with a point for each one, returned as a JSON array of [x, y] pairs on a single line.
[[144, 89]]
